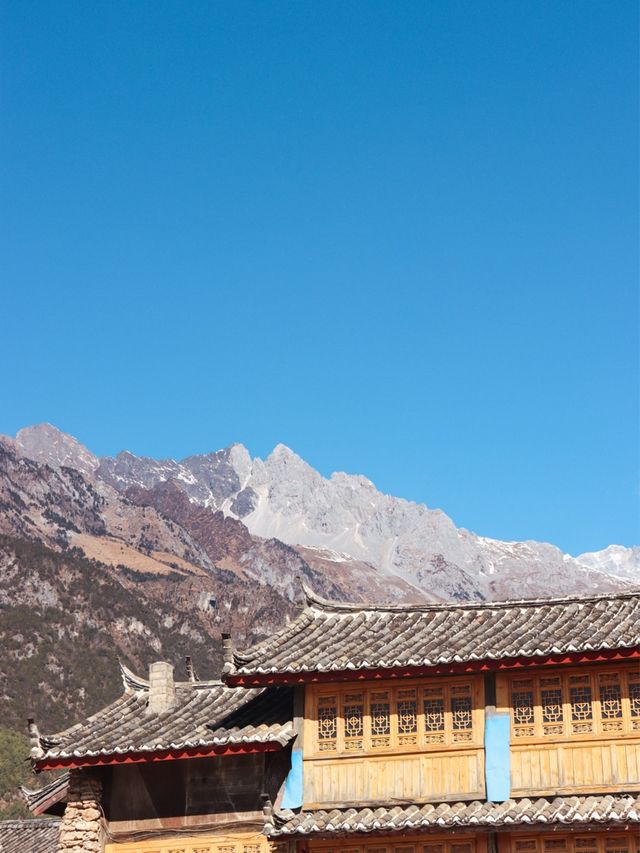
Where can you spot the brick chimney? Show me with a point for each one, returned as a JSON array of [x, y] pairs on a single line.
[[162, 689]]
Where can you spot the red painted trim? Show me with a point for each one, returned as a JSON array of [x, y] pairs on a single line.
[[260, 679], [74, 763]]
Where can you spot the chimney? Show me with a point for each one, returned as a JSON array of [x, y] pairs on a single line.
[[162, 689], [227, 648]]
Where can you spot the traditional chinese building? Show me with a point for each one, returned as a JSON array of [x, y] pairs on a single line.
[[507, 727]]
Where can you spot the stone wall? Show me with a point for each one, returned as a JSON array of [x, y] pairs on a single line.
[[82, 827]]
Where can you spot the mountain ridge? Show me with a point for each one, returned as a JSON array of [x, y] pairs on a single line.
[[282, 497]]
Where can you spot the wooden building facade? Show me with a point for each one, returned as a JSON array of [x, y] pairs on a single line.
[[509, 727]]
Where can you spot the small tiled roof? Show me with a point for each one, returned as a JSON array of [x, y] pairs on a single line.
[[46, 798], [29, 836], [332, 637], [205, 714], [605, 809]]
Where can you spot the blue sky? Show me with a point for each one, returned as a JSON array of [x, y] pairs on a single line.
[[399, 237]]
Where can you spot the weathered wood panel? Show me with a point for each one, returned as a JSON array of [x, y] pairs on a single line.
[[567, 767], [460, 841], [437, 776], [228, 843]]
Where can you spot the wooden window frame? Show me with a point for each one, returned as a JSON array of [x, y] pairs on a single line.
[[403, 844], [398, 742], [600, 842], [630, 726]]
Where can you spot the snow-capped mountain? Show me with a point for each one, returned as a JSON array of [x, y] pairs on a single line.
[[616, 560], [344, 517]]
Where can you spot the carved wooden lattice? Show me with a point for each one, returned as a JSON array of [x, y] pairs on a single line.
[[596, 703], [353, 721], [327, 723], [552, 708], [397, 717], [434, 714], [593, 843], [522, 699]]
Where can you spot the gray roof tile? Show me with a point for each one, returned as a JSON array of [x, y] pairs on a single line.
[[29, 836], [204, 714], [604, 809], [332, 637]]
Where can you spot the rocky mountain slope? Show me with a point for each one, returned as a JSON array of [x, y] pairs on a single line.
[[343, 526], [145, 559]]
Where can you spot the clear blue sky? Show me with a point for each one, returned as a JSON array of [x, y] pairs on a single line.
[[399, 237]]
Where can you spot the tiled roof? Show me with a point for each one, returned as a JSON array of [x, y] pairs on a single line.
[[43, 799], [617, 809], [29, 836], [205, 714], [332, 637]]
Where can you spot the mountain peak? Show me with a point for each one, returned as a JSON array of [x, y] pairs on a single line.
[[46, 443], [282, 457]]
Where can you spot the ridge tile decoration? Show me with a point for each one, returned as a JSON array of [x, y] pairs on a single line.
[[330, 637]]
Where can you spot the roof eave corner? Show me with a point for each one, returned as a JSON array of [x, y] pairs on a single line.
[[311, 599], [131, 682]]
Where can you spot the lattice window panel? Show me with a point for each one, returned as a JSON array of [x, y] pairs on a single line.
[[354, 721], [551, 705], [581, 701], [585, 845], [380, 711], [434, 715], [407, 711], [461, 714], [413, 844], [594, 843], [595, 703], [397, 717], [619, 844], [522, 702], [634, 700], [555, 844], [327, 723], [610, 697]]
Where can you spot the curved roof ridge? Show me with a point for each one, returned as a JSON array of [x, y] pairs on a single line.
[[315, 601], [130, 680], [136, 683]]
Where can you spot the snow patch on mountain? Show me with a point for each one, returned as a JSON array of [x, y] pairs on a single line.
[[616, 560], [282, 497]]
